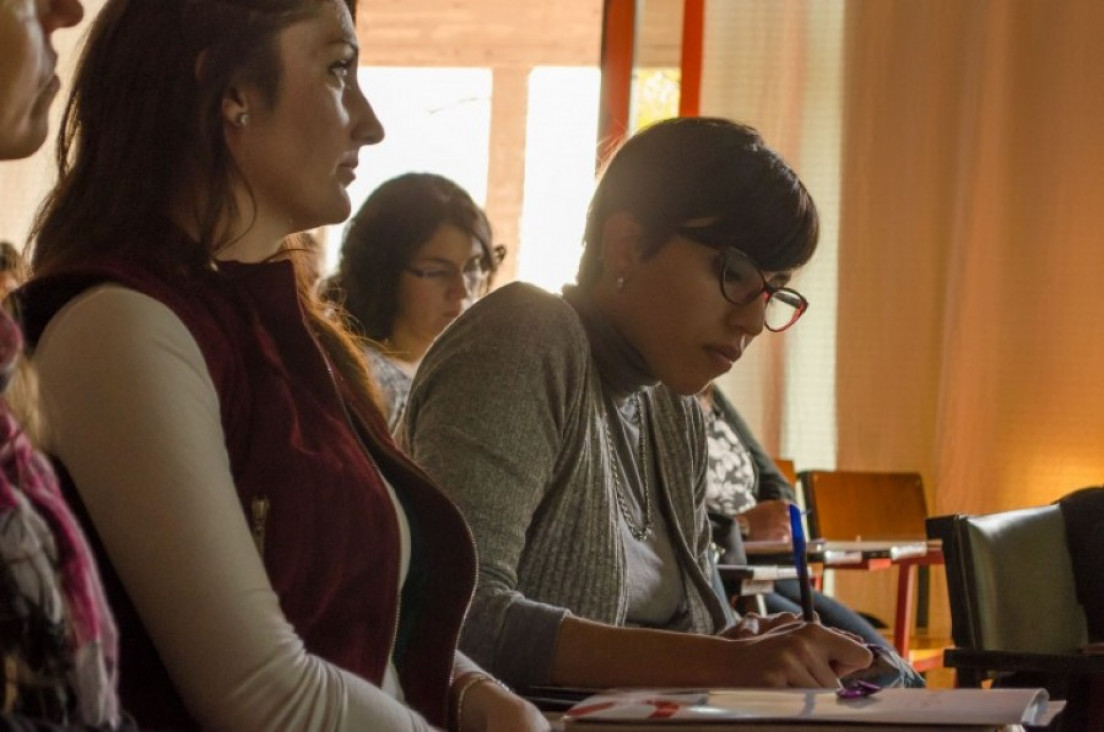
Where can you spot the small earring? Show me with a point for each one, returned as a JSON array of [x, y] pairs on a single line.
[[242, 119], [620, 283]]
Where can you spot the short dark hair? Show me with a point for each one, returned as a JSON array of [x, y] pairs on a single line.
[[384, 236], [700, 168]]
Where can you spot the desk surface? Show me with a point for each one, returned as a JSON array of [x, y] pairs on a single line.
[[832, 552], [760, 572]]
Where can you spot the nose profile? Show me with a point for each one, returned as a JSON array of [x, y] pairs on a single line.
[[61, 14], [460, 288], [750, 318], [367, 129]]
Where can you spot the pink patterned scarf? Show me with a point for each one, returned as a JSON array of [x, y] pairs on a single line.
[[51, 580]]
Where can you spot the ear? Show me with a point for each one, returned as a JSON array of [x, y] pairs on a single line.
[[235, 107], [621, 243]]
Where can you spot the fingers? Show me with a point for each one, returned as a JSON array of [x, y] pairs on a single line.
[[746, 627], [846, 654], [770, 623], [807, 655]]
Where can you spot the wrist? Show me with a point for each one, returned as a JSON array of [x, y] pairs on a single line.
[[463, 689]]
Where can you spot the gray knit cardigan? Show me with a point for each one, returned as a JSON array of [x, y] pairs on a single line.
[[506, 414]]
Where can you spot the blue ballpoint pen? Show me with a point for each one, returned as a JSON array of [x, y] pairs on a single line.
[[801, 563]]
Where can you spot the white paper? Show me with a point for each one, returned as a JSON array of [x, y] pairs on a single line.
[[888, 706]]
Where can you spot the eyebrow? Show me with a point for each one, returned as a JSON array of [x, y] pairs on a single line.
[[434, 260], [345, 40]]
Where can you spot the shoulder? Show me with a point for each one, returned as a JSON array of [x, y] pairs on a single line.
[[518, 350], [525, 308], [116, 351], [111, 316], [516, 322]]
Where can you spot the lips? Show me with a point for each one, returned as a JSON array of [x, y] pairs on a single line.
[[725, 356], [348, 169]]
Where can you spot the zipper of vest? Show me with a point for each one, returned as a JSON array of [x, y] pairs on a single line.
[[259, 509], [372, 460], [364, 448]]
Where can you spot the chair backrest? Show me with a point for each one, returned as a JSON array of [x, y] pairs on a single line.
[[847, 505], [786, 467], [1083, 512], [1010, 581]]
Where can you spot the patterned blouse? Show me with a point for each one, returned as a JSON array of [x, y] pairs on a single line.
[[393, 383], [731, 477]]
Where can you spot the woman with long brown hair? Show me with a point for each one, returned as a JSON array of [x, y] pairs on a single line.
[[415, 256], [275, 561]]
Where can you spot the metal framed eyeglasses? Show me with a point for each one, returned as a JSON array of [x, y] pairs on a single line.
[[741, 282], [475, 273]]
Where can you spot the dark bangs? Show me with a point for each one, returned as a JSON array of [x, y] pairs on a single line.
[[777, 225], [713, 180]]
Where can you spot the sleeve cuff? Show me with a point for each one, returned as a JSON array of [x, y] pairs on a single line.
[[527, 645]]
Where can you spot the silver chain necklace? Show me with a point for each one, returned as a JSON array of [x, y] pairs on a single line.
[[640, 533]]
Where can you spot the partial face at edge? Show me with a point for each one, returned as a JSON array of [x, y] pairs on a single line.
[[28, 83], [300, 154]]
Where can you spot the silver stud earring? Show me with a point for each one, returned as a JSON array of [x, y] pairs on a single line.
[[242, 119], [620, 283]]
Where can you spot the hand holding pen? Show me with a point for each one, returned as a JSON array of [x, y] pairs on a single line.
[[853, 689]]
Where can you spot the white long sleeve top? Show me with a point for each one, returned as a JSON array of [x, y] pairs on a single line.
[[134, 416]]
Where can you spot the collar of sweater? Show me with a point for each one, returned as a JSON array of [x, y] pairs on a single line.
[[622, 368]]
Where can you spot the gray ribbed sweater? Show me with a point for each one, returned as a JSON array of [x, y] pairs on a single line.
[[506, 413]]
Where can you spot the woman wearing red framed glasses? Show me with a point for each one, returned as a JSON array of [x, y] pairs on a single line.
[[580, 463]]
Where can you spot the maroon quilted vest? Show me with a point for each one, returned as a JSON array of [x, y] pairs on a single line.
[[331, 546]]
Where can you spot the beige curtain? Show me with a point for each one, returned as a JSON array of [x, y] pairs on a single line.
[[971, 324], [956, 152], [777, 65]]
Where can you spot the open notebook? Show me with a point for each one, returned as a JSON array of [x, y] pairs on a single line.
[[895, 708]]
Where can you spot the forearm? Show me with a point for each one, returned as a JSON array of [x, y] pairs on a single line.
[[595, 655]]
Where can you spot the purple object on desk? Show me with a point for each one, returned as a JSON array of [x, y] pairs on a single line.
[[801, 563], [857, 689]]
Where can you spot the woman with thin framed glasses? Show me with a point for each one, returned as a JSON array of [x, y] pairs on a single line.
[[416, 255], [566, 428]]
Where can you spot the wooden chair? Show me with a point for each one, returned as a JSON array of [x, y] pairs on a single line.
[[1015, 612], [878, 506], [786, 467]]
